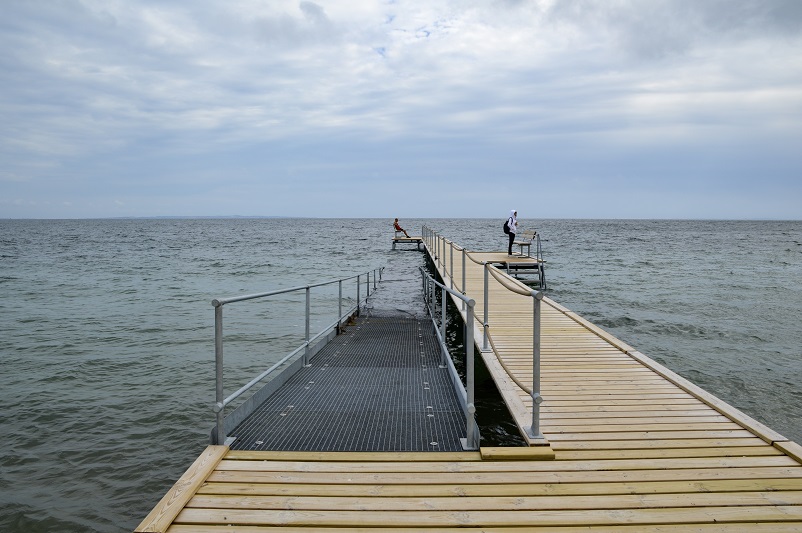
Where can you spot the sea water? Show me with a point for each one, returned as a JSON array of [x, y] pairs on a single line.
[[107, 340]]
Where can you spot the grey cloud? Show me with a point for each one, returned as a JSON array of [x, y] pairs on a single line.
[[313, 27], [666, 28], [314, 13]]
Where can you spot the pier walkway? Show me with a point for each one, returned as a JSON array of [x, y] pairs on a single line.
[[375, 387], [636, 447]]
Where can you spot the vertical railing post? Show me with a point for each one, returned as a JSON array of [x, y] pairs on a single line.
[[339, 304], [443, 313], [537, 399], [486, 305], [472, 430], [357, 295], [306, 326], [451, 268], [219, 406], [367, 286], [464, 290]]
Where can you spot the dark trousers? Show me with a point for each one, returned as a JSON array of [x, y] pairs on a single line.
[[509, 248]]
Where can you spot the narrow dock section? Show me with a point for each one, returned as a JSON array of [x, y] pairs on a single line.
[[376, 387]]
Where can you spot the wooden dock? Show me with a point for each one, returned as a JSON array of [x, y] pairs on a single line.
[[637, 448], [412, 239]]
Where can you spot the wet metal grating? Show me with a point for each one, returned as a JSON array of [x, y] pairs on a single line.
[[376, 387]]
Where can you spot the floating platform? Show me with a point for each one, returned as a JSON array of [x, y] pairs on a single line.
[[417, 240], [630, 447]]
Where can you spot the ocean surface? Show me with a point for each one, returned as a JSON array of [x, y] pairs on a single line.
[[107, 344]]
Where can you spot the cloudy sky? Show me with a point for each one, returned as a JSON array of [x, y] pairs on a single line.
[[408, 108]]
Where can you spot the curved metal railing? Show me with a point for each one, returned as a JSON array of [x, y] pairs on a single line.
[[221, 402], [437, 246]]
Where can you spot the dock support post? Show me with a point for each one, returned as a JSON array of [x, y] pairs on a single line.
[[357, 296], [487, 307], [219, 406], [537, 399]]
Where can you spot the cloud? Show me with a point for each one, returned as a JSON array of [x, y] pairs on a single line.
[[186, 94]]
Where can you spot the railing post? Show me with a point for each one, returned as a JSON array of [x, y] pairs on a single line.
[[339, 304], [472, 430], [464, 291], [443, 313], [451, 268], [357, 295], [306, 327], [367, 286], [486, 305], [219, 407], [537, 399]]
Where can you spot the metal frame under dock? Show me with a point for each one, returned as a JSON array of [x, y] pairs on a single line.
[[618, 443]]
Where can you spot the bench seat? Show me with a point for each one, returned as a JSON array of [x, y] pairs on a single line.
[[524, 239]]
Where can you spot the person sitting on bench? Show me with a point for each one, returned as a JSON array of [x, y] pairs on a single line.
[[399, 228]]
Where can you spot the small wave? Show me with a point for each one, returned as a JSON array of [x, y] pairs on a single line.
[[623, 321]]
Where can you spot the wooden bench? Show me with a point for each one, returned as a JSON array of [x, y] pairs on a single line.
[[524, 239]]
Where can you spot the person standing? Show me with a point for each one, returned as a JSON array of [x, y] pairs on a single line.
[[512, 223]]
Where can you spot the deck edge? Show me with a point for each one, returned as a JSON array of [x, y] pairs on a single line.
[[173, 502]]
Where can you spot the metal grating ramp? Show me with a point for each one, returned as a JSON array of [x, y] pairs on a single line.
[[376, 387]]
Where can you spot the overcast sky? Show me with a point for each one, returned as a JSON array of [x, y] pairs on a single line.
[[424, 108]]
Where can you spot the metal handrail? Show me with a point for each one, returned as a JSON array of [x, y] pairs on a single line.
[[220, 401], [468, 395], [537, 296]]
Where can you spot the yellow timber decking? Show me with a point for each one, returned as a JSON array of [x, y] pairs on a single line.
[[637, 448]]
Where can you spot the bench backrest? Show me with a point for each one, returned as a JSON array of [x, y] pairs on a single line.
[[527, 235]]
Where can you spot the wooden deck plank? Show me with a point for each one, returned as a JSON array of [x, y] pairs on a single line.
[[506, 489], [739, 527], [503, 466], [484, 478], [497, 503], [423, 519]]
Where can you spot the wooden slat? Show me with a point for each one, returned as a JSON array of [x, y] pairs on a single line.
[[506, 489], [739, 527], [424, 519], [507, 467], [496, 503], [483, 478]]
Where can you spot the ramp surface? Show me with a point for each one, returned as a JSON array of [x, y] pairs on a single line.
[[378, 386]]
